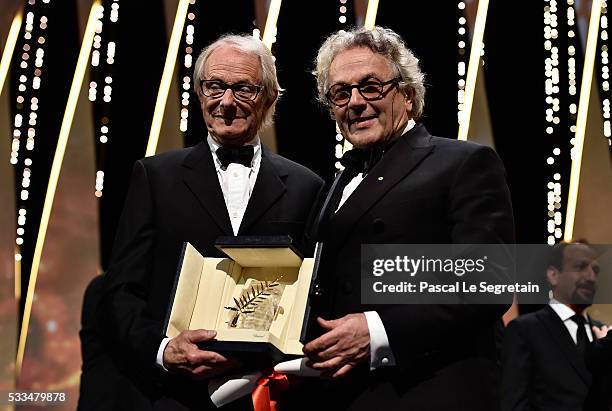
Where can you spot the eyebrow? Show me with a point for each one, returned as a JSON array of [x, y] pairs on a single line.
[[223, 81], [366, 77]]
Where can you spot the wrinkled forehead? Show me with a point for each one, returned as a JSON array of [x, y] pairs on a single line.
[[232, 65], [355, 64]]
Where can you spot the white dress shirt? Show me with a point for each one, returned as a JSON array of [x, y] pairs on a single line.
[[237, 182], [352, 185], [381, 354], [566, 313]]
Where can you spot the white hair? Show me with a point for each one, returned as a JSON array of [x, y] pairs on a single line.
[[380, 40], [248, 44]]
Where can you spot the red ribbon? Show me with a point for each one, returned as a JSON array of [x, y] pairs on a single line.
[[266, 395]]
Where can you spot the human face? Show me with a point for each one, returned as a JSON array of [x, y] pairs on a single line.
[[576, 282], [363, 122], [231, 121]]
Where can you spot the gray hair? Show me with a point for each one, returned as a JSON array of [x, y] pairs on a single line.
[[380, 40], [248, 44]]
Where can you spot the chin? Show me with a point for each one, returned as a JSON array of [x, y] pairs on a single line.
[[229, 136], [583, 299], [363, 140]]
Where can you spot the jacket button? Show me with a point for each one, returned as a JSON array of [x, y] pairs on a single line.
[[347, 287]]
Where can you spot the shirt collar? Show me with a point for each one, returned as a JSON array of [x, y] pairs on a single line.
[[409, 126], [255, 142], [563, 311]]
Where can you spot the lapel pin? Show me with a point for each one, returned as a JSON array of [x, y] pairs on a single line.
[[381, 178]]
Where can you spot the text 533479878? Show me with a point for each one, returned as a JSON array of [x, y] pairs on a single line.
[[33, 397]]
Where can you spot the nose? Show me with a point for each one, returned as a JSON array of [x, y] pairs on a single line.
[[228, 99], [357, 102], [591, 274]]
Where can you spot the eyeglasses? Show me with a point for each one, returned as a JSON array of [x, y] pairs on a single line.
[[241, 91], [340, 94]]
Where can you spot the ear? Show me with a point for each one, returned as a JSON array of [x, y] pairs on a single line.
[[552, 275], [200, 96], [331, 113], [408, 98], [271, 101]]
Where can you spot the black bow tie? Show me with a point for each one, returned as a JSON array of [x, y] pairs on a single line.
[[241, 155], [361, 160]]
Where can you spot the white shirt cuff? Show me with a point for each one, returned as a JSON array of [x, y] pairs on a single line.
[[160, 354], [380, 351]]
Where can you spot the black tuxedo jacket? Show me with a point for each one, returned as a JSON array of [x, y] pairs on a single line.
[[176, 197], [432, 191], [542, 368], [599, 363]]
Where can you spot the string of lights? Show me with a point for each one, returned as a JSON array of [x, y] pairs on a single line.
[[341, 146], [188, 37], [29, 73], [605, 73], [552, 108], [462, 59], [102, 61]]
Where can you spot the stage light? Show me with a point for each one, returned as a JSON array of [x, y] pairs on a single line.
[[476, 49], [54, 174], [9, 48], [22, 111], [166, 80], [99, 183], [114, 14], [552, 75], [370, 18], [187, 63], [371, 12], [461, 56], [605, 74], [585, 94], [269, 35], [103, 54]]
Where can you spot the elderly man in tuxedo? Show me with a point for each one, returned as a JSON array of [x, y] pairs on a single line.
[[229, 184], [401, 185]]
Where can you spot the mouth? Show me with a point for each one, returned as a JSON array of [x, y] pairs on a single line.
[[585, 292], [228, 119], [362, 121]]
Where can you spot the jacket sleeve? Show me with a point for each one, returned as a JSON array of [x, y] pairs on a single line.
[[480, 212], [128, 325], [516, 365]]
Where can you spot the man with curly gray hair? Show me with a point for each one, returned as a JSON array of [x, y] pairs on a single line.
[[400, 185]]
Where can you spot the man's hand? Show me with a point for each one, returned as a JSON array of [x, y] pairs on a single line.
[[183, 356], [345, 344], [600, 332]]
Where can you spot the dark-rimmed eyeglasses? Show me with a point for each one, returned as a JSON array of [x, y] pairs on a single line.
[[340, 94], [241, 91]]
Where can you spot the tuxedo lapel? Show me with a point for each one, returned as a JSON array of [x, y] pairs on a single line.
[[395, 165], [325, 211], [268, 189], [201, 178], [563, 340]]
